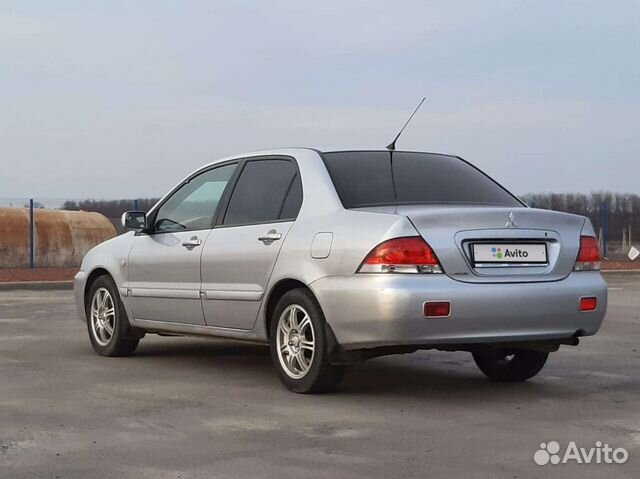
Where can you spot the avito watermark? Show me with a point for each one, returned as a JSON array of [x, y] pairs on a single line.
[[549, 453]]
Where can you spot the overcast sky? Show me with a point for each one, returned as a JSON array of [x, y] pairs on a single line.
[[124, 98]]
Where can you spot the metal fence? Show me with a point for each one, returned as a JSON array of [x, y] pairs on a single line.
[[615, 240]]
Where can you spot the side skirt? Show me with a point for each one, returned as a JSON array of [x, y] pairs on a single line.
[[182, 329]]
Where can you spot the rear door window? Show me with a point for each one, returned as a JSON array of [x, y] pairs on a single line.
[[293, 201], [262, 193]]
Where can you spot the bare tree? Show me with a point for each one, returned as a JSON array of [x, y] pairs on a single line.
[[621, 209]]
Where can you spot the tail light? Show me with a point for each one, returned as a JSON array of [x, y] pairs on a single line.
[[589, 255], [401, 255]]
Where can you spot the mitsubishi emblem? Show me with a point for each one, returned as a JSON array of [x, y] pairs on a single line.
[[510, 222]]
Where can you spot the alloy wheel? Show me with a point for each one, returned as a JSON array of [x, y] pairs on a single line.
[[295, 341], [103, 316]]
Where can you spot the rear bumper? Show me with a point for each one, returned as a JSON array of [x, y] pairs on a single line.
[[375, 310]]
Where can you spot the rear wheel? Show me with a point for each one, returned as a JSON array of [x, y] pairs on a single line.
[[299, 346], [109, 329], [510, 365]]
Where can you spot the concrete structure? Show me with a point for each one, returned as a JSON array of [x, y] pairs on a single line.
[[61, 237]]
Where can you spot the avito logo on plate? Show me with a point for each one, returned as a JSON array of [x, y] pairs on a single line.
[[507, 253]]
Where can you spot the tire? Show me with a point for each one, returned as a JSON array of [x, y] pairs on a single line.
[[299, 345], [107, 323], [510, 366]]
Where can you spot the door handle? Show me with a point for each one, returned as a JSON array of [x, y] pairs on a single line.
[[192, 243], [270, 236]]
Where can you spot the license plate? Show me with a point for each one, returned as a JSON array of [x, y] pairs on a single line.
[[510, 253]]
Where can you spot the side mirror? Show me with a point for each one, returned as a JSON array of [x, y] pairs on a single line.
[[134, 220]]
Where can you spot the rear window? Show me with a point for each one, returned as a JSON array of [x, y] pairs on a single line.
[[381, 178]]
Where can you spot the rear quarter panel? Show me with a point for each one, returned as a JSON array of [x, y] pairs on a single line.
[[353, 233]]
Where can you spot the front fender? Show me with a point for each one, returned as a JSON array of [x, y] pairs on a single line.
[[110, 257]]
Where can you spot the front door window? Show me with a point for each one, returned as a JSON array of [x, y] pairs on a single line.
[[194, 205]]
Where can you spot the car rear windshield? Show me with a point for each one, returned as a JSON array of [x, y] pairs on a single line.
[[382, 178]]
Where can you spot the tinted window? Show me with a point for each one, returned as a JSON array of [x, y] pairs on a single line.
[[293, 201], [366, 178], [259, 196], [192, 206]]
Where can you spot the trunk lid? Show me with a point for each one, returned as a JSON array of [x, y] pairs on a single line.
[[453, 230]]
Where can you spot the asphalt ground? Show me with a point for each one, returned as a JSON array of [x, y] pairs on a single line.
[[201, 408]]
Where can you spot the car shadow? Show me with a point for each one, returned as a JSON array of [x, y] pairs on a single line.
[[201, 348], [424, 374]]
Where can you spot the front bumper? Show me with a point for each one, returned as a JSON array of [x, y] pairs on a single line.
[[375, 310], [79, 284]]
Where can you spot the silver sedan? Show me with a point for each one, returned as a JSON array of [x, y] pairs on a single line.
[[336, 257]]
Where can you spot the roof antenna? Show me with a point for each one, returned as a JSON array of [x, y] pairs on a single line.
[[392, 146]]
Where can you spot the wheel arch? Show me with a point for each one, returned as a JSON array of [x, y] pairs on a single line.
[[133, 332], [95, 274], [335, 351], [278, 290]]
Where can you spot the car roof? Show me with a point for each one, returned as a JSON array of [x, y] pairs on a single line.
[[291, 151], [384, 150]]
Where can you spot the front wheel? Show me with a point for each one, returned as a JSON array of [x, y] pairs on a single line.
[[510, 366], [109, 329], [299, 346]]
